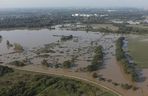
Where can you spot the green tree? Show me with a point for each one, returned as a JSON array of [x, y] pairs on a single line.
[[67, 64]]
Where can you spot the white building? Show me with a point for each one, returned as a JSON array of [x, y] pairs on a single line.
[[133, 22]]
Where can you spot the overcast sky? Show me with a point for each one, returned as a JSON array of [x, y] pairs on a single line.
[[73, 3]]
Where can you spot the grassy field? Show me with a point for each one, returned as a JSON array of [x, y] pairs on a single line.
[[108, 26], [138, 47], [22, 83], [139, 26]]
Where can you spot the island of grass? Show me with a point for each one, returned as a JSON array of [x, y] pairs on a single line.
[[138, 46], [23, 83]]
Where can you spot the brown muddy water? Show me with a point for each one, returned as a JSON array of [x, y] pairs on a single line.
[[81, 47], [34, 38]]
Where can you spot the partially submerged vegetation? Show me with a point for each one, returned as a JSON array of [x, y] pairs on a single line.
[[47, 48], [18, 47], [0, 38], [17, 63], [97, 59], [129, 68], [65, 38], [45, 63], [67, 64], [76, 54], [125, 86], [9, 44]]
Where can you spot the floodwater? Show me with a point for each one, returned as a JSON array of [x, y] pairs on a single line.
[[34, 38], [81, 46]]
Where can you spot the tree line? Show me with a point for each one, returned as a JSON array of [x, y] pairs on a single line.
[[127, 66], [97, 61]]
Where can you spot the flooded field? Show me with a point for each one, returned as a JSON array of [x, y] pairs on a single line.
[[56, 46], [46, 44]]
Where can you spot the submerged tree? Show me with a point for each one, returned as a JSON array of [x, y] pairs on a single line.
[[45, 63], [18, 47], [0, 38], [67, 64]]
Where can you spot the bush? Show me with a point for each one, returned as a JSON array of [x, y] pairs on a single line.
[[135, 88], [18, 47], [45, 63], [126, 86], [17, 63], [94, 75], [65, 38], [116, 84], [4, 70], [97, 60], [67, 64]]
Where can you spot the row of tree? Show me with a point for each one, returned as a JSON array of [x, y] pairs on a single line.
[[127, 66], [123, 28], [66, 64], [97, 59]]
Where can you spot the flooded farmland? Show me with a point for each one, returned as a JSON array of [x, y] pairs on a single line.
[[51, 45], [35, 43], [47, 45]]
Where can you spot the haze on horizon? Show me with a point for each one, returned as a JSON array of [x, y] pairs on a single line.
[[73, 3]]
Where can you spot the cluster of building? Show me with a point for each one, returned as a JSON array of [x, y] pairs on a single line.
[[88, 15]]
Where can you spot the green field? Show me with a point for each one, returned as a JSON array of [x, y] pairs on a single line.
[[138, 47], [139, 26], [108, 26], [22, 83]]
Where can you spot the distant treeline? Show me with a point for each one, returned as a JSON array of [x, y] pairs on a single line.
[[37, 18], [123, 28]]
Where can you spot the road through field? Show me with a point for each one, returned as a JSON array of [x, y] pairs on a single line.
[[87, 77], [69, 76]]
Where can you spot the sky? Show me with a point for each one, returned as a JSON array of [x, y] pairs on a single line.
[[72, 3]]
